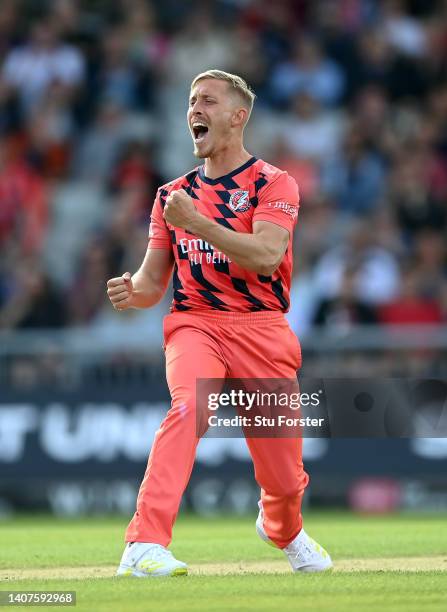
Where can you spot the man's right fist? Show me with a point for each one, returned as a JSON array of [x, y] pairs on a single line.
[[120, 291]]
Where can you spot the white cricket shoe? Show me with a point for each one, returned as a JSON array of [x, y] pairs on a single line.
[[143, 559], [303, 553]]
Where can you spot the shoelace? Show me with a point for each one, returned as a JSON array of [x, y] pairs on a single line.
[[304, 549], [158, 553]]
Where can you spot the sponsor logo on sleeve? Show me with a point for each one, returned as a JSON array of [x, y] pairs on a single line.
[[285, 207]]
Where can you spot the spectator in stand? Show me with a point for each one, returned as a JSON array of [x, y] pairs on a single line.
[[322, 229], [405, 33], [29, 70], [308, 71], [93, 272], [344, 310], [275, 25], [372, 114], [9, 26], [67, 17], [430, 262], [311, 131], [377, 62], [413, 201], [250, 61], [101, 146], [117, 78], [32, 301], [148, 45], [199, 44], [23, 203], [356, 177], [410, 307], [50, 128], [377, 280], [135, 169], [126, 72]]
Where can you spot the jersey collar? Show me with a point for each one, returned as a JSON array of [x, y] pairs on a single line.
[[220, 179]]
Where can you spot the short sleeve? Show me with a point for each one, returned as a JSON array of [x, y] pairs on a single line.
[[159, 237], [278, 203]]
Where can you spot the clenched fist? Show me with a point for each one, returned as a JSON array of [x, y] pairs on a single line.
[[120, 291], [179, 209]]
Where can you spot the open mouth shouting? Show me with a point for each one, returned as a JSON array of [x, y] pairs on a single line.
[[200, 131]]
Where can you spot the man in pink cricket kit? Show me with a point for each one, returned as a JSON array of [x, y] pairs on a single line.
[[224, 231]]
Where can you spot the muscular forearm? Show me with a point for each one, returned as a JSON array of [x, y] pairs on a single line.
[[145, 293], [147, 286], [249, 251]]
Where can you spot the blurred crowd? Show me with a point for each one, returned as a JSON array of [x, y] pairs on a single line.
[[352, 101]]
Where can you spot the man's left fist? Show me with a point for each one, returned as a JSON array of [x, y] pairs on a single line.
[[179, 209]]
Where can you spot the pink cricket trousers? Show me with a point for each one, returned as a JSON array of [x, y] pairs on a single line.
[[218, 345]]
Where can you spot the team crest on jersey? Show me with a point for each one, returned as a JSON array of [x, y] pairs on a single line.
[[239, 201]]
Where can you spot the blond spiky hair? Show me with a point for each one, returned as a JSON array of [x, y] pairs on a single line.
[[236, 82]]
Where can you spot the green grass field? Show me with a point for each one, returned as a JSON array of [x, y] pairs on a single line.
[[396, 563]]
